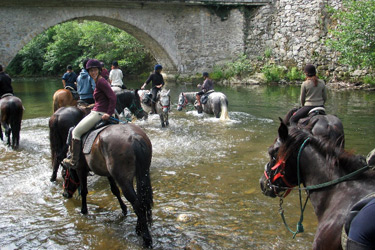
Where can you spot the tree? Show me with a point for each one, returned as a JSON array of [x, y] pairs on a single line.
[[354, 35]]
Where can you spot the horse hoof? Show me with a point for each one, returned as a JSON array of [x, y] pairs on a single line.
[[147, 243], [53, 178], [84, 211]]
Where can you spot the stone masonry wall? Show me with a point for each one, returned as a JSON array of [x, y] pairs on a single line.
[[293, 30]]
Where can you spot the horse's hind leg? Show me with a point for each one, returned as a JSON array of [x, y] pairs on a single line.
[[142, 227], [117, 193]]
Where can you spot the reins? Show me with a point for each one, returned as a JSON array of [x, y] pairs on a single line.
[[300, 228]]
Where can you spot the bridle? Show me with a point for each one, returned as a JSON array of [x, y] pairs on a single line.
[[273, 176], [134, 109], [183, 105]]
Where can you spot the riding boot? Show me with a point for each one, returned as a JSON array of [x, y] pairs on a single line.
[[75, 151]]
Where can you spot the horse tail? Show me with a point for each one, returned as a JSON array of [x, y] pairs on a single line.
[[144, 189], [224, 108], [15, 113], [57, 143]]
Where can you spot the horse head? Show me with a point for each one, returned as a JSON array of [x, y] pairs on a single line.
[[136, 107], [71, 182], [165, 101], [182, 101], [279, 178]]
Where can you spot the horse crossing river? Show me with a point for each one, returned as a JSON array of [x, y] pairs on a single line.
[[204, 174]]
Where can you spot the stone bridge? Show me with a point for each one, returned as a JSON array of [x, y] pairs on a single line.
[[186, 36]]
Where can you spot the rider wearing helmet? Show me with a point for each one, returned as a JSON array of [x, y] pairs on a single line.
[[205, 87], [313, 94], [85, 85], [104, 107], [5, 83], [157, 83]]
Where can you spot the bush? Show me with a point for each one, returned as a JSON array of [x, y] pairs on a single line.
[[369, 80], [294, 74], [273, 73], [239, 67]]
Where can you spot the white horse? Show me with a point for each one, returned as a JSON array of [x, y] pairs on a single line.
[[217, 103], [163, 103]]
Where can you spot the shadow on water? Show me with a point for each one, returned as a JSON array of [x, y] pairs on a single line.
[[204, 173]]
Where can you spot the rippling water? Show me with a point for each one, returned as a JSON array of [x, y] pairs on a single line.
[[204, 174]]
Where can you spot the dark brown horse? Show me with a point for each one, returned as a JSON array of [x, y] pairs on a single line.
[[63, 98], [66, 117], [326, 171], [121, 152], [11, 110]]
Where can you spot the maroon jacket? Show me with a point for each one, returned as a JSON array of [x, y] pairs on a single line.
[[105, 98]]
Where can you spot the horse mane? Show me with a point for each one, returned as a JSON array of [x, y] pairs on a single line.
[[336, 156]]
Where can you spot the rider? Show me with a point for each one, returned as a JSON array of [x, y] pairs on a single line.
[[5, 83], [313, 94], [362, 229], [69, 78], [85, 85], [115, 77], [157, 84], [205, 87], [105, 103]]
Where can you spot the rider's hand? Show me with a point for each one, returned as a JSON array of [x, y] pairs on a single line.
[[143, 86], [198, 86], [105, 116], [159, 86]]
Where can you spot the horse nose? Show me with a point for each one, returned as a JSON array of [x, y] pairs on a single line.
[[179, 108], [165, 110]]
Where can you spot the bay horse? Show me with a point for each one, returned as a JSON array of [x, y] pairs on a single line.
[[63, 98], [163, 103], [66, 117], [11, 111], [334, 180], [120, 152], [217, 103]]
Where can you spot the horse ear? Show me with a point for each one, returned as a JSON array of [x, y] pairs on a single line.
[[283, 131], [168, 91]]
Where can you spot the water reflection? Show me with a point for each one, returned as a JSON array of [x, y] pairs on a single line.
[[204, 174]]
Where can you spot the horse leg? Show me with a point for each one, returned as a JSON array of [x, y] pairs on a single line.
[[82, 173], [166, 120], [142, 227], [117, 193], [162, 120], [1, 133], [7, 132]]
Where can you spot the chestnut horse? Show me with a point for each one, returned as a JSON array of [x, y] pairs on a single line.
[[11, 111], [333, 179], [63, 98]]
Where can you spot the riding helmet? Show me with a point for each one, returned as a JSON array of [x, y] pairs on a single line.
[[93, 63], [205, 74], [310, 70], [158, 66]]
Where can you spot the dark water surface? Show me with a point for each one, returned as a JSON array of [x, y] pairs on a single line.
[[205, 176]]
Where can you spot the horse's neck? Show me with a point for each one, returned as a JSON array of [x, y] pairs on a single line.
[[190, 96], [316, 169]]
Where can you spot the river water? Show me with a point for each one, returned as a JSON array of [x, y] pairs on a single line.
[[204, 174]]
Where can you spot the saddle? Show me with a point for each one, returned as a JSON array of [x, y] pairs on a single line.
[[315, 111], [88, 139], [352, 214], [74, 92], [6, 94], [204, 97]]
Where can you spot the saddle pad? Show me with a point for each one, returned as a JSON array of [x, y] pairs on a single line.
[[89, 138]]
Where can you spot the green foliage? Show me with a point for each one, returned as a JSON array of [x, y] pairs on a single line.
[[70, 43], [239, 67], [273, 73], [267, 53], [353, 37], [294, 74], [369, 80]]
